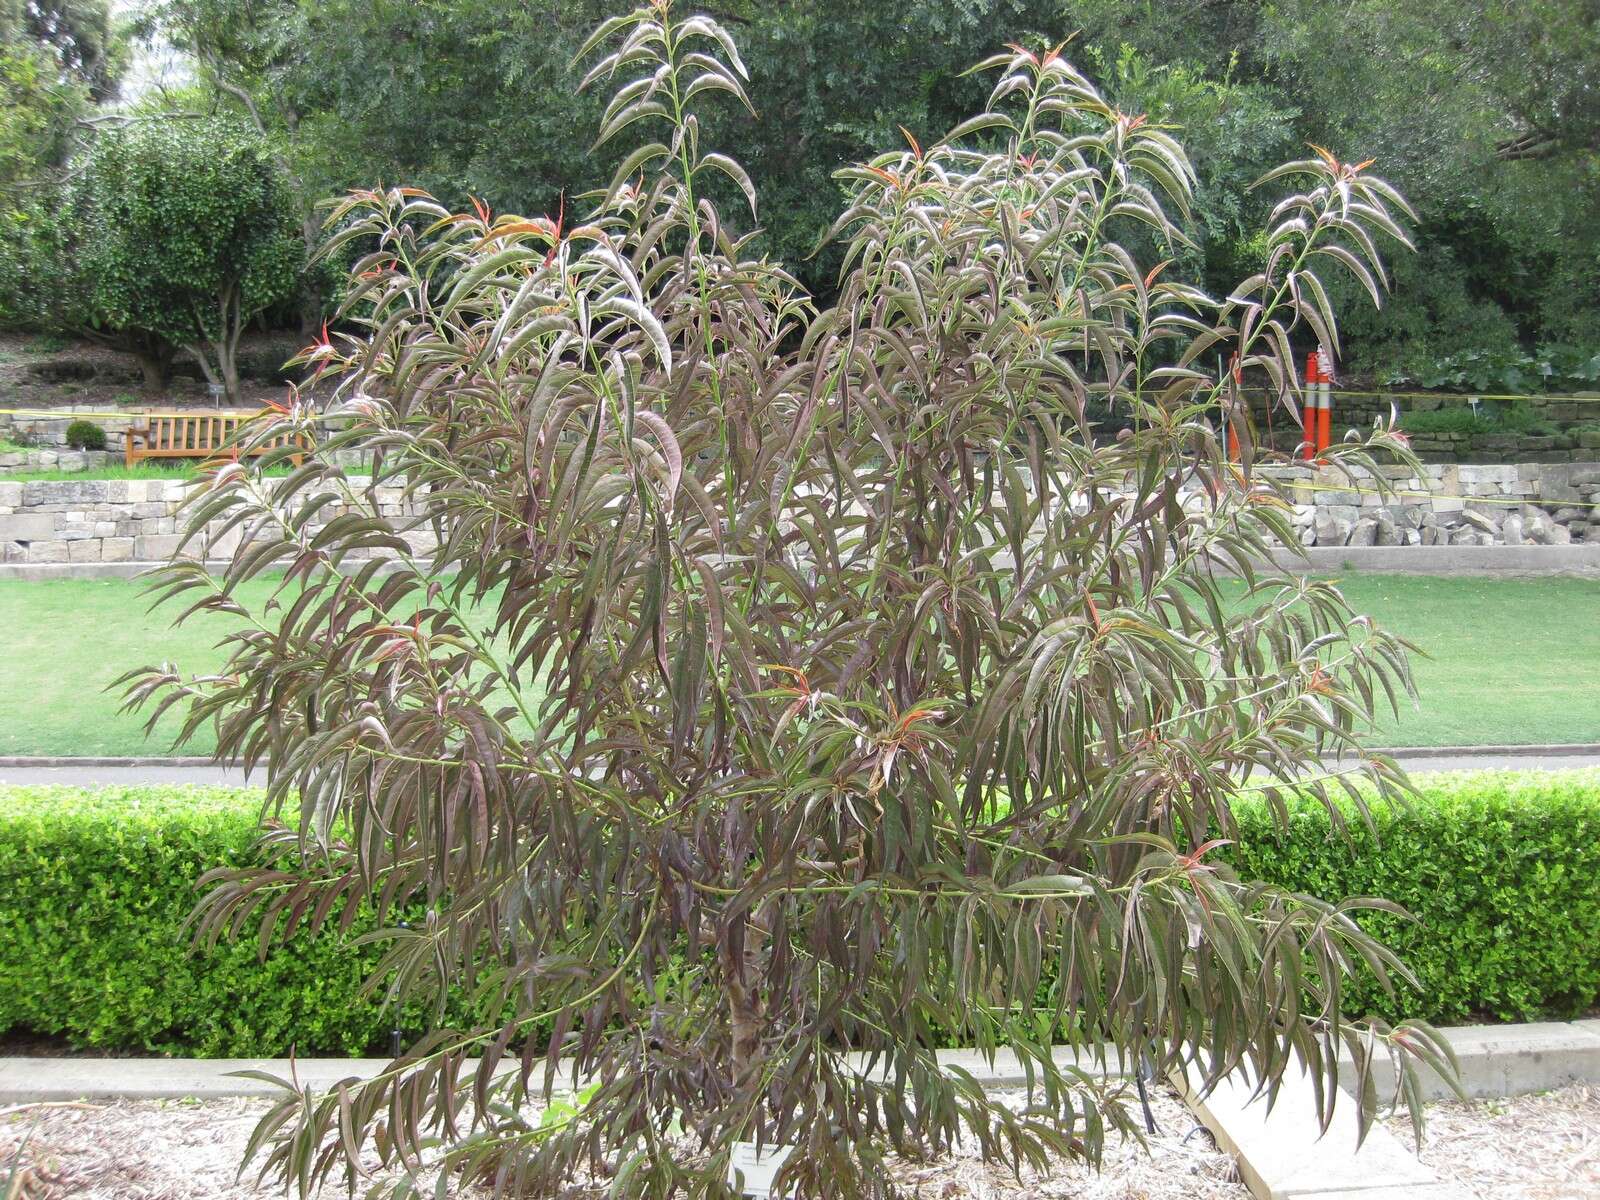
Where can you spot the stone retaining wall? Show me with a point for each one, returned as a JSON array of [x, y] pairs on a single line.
[[14, 462], [50, 433], [130, 520], [1547, 504], [137, 520]]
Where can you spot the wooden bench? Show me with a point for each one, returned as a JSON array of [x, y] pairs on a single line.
[[192, 434]]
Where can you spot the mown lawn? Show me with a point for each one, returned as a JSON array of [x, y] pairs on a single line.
[[1512, 661], [63, 642], [1509, 661]]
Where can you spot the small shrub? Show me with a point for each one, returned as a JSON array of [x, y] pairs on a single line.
[[48, 343], [801, 592], [1550, 369], [86, 435]]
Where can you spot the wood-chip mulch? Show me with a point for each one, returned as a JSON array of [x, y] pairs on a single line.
[[1538, 1147], [187, 1150]]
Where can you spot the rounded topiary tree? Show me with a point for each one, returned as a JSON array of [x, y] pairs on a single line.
[[790, 693], [180, 231]]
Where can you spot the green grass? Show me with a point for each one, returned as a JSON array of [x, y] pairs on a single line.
[[141, 470], [1512, 661], [62, 643]]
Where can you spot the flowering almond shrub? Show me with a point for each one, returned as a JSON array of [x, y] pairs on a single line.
[[793, 692]]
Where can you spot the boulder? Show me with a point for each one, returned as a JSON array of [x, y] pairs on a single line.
[[1542, 531], [1388, 533], [1332, 531]]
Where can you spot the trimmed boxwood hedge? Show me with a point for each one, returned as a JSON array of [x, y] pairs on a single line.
[[1499, 869], [95, 888], [1502, 871]]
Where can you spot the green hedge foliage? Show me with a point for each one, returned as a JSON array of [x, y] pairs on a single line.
[[95, 889], [1501, 870]]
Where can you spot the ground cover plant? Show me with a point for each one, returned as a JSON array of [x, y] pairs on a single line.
[[1509, 418], [833, 661]]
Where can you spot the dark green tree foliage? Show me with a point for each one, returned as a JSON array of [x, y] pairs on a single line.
[[185, 232], [837, 681], [476, 98], [55, 62], [56, 58], [1486, 109], [1497, 136]]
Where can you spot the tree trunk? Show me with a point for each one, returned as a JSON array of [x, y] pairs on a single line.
[[744, 1004], [228, 344], [310, 294], [228, 368], [155, 361]]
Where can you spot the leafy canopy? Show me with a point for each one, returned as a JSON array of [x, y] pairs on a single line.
[[789, 690], [184, 232]]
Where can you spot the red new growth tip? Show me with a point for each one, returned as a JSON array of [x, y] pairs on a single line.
[[916, 146], [560, 223]]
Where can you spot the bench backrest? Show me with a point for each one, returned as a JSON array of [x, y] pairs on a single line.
[[194, 432]]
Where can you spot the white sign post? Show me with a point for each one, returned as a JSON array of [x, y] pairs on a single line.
[[752, 1170]]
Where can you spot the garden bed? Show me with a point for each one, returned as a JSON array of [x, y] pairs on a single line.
[[187, 1150], [1538, 1147]]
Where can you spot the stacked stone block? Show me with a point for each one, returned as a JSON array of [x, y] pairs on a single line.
[[1447, 504], [134, 520]]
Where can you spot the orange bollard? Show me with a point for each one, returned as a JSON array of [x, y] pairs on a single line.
[[1310, 422], [1233, 435], [1325, 400]]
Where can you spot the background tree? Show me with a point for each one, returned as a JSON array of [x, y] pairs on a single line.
[[57, 61], [474, 99], [181, 231], [1509, 238], [793, 682]]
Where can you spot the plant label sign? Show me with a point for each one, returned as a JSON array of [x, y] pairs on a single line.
[[757, 1168]]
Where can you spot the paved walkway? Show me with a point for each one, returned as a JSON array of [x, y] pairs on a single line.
[[129, 773], [93, 774]]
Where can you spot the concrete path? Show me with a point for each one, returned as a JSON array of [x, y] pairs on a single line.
[[1498, 758], [54, 1080], [126, 773], [1495, 1060], [130, 772], [1283, 1153]]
